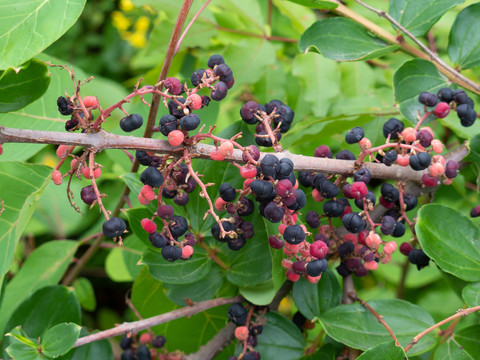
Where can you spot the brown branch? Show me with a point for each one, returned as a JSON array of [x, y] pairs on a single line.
[[103, 140], [377, 316], [428, 54], [460, 313], [136, 326]]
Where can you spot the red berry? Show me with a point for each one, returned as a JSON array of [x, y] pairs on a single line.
[[175, 137], [145, 338], [248, 171], [148, 225], [405, 248], [90, 101], [63, 151], [441, 110], [390, 247], [292, 276], [143, 200], [215, 155], [187, 252], [318, 249], [358, 190]]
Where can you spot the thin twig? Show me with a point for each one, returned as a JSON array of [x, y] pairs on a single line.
[[460, 313], [136, 326], [433, 57], [377, 316]]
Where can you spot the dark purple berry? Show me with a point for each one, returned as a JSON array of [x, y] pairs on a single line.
[[392, 127], [65, 106], [445, 94], [345, 155], [248, 112], [151, 176], [72, 124], [328, 189], [317, 267], [389, 192], [390, 157], [236, 243], [88, 195], [428, 99], [143, 352], [175, 109], [224, 72], [268, 164], [451, 169], [189, 122], [354, 135], [126, 341], [246, 207], [159, 341], [466, 114], [219, 91], [353, 222], [131, 122], [345, 249], [227, 192], [181, 198], [399, 230], [323, 151], [173, 85], [165, 211], [363, 175], [342, 270], [158, 240], [425, 138], [333, 208], [247, 230], [114, 227], [421, 161], [215, 60], [294, 234], [227, 226], [178, 226], [388, 225], [167, 124], [171, 253], [237, 314], [312, 219], [273, 212], [196, 77], [275, 242], [143, 158], [419, 258]]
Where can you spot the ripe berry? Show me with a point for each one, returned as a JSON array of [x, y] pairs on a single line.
[[87, 194], [126, 341], [441, 110], [399, 230], [175, 138], [389, 192], [196, 77], [445, 94], [158, 240], [176, 108], [167, 124], [294, 234], [57, 177], [421, 161], [215, 60], [151, 176], [148, 225], [312, 219], [173, 85], [392, 127], [328, 189], [178, 226], [165, 211], [188, 123], [90, 101], [466, 114], [237, 314], [353, 222], [171, 253], [114, 227], [425, 138], [333, 208], [354, 135], [345, 249], [317, 267], [131, 122], [428, 99], [159, 341], [219, 91], [363, 175], [246, 207], [273, 212], [224, 72], [388, 225], [390, 157], [419, 258], [65, 106], [248, 112], [345, 155], [451, 169]]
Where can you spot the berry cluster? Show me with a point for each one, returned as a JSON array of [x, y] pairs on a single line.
[[247, 330], [272, 119], [146, 347]]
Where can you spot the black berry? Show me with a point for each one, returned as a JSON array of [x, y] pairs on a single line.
[[114, 227]]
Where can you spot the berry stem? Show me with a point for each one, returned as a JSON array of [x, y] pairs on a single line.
[[460, 313]]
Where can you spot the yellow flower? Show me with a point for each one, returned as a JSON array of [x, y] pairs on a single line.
[[120, 21], [126, 5], [142, 24], [137, 39]]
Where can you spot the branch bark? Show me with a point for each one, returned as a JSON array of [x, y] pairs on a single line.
[[104, 140]]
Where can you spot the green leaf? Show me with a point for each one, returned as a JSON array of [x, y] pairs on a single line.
[[21, 86], [178, 272], [148, 297], [321, 78], [342, 39], [21, 187], [121, 264], [474, 150], [50, 260], [30, 27], [314, 299], [85, 294], [464, 39], [412, 78], [462, 345], [419, 16], [316, 4], [383, 351], [59, 339], [22, 347], [471, 294], [356, 327], [95, 350], [204, 289], [280, 339], [451, 240], [261, 294], [48, 306]]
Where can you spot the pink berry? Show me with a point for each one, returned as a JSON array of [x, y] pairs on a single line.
[[143, 200], [385, 259], [1, 149], [175, 137], [437, 146], [373, 241], [370, 265], [305, 249], [292, 276], [409, 134], [226, 149], [145, 338], [215, 155], [90, 101], [436, 170], [281, 228], [63, 151], [317, 196], [429, 180], [96, 172], [350, 237], [220, 204], [403, 160], [147, 192], [248, 171], [74, 164], [441, 110], [148, 225], [365, 143], [195, 101], [358, 190], [390, 247], [57, 177], [241, 333], [314, 280], [318, 249], [287, 264], [187, 252]]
